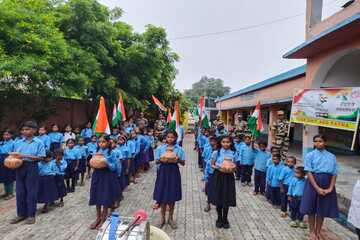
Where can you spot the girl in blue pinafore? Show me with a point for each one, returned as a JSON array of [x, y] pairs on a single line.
[[319, 199], [168, 180], [223, 192], [83, 153], [47, 191], [152, 144], [208, 154], [125, 163], [92, 149], [7, 176], [72, 156], [105, 187], [56, 138]]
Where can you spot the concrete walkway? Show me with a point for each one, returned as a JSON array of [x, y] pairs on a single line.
[[253, 218]]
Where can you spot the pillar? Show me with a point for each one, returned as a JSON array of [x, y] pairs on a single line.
[[313, 14], [272, 118], [308, 133], [227, 119]]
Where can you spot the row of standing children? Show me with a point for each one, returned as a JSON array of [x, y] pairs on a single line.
[[283, 183], [41, 177]]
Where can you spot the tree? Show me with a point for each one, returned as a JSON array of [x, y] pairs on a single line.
[[211, 88], [82, 49]]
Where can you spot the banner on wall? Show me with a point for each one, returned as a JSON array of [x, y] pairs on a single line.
[[327, 107]]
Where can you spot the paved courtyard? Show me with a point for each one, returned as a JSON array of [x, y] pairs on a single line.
[[253, 218]]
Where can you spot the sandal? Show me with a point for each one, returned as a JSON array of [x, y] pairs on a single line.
[[161, 224], [95, 224], [172, 224]]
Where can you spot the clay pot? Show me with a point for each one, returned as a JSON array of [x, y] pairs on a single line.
[[13, 161], [98, 161], [227, 166], [169, 156]]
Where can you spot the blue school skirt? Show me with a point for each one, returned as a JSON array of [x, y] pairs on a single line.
[[144, 157], [124, 177], [151, 154], [54, 146], [105, 188], [168, 184], [70, 169], [7, 175], [60, 185], [137, 162], [47, 192], [313, 203], [82, 165]]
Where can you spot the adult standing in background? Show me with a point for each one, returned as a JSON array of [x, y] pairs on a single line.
[[280, 130]]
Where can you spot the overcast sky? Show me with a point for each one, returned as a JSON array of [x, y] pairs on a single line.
[[240, 58]]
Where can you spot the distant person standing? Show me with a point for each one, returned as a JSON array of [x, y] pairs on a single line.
[[280, 129]]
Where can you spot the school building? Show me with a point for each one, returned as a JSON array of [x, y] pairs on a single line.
[[332, 51]]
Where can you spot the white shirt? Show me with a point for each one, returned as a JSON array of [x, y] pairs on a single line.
[[354, 211]]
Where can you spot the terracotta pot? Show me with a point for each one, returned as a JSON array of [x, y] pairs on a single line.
[[13, 161], [169, 156], [227, 166], [98, 161]]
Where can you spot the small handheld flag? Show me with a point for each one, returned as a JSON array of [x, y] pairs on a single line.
[[159, 104], [114, 120], [168, 119], [121, 116], [202, 114], [255, 122]]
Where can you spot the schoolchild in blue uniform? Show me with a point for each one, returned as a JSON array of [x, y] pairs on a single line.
[[223, 192], [83, 154], [221, 131], [56, 138], [7, 176], [202, 141], [59, 168], [151, 140], [269, 163], [247, 158], [131, 143], [87, 133], [47, 192], [72, 156], [105, 187], [286, 174], [261, 160], [30, 150], [44, 137], [136, 162], [295, 192], [208, 171], [125, 162], [167, 189], [273, 179], [115, 133], [127, 127], [92, 149], [144, 149], [206, 155], [319, 198], [238, 143], [118, 160]]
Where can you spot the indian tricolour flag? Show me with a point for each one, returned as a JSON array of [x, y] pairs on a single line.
[[168, 119], [255, 122], [121, 115], [114, 119], [101, 123], [202, 113], [175, 119]]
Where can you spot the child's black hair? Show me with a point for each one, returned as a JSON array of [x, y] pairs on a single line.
[[319, 136], [301, 169], [70, 140], [174, 133], [107, 138], [8, 130], [232, 147], [49, 154], [262, 141], [58, 151]]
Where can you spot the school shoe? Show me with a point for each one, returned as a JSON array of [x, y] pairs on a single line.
[[294, 224], [226, 224], [303, 225], [30, 221], [219, 223], [249, 184], [172, 224], [17, 220]]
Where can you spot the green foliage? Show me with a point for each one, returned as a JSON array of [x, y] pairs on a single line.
[[211, 88], [82, 49]]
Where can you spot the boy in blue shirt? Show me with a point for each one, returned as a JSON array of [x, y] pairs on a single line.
[[261, 160], [44, 137], [296, 190], [238, 144], [59, 170], [7, 176], [247, 159], [286, 174], [273, 179], [202, 141], [87, 132], [30, 150]]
